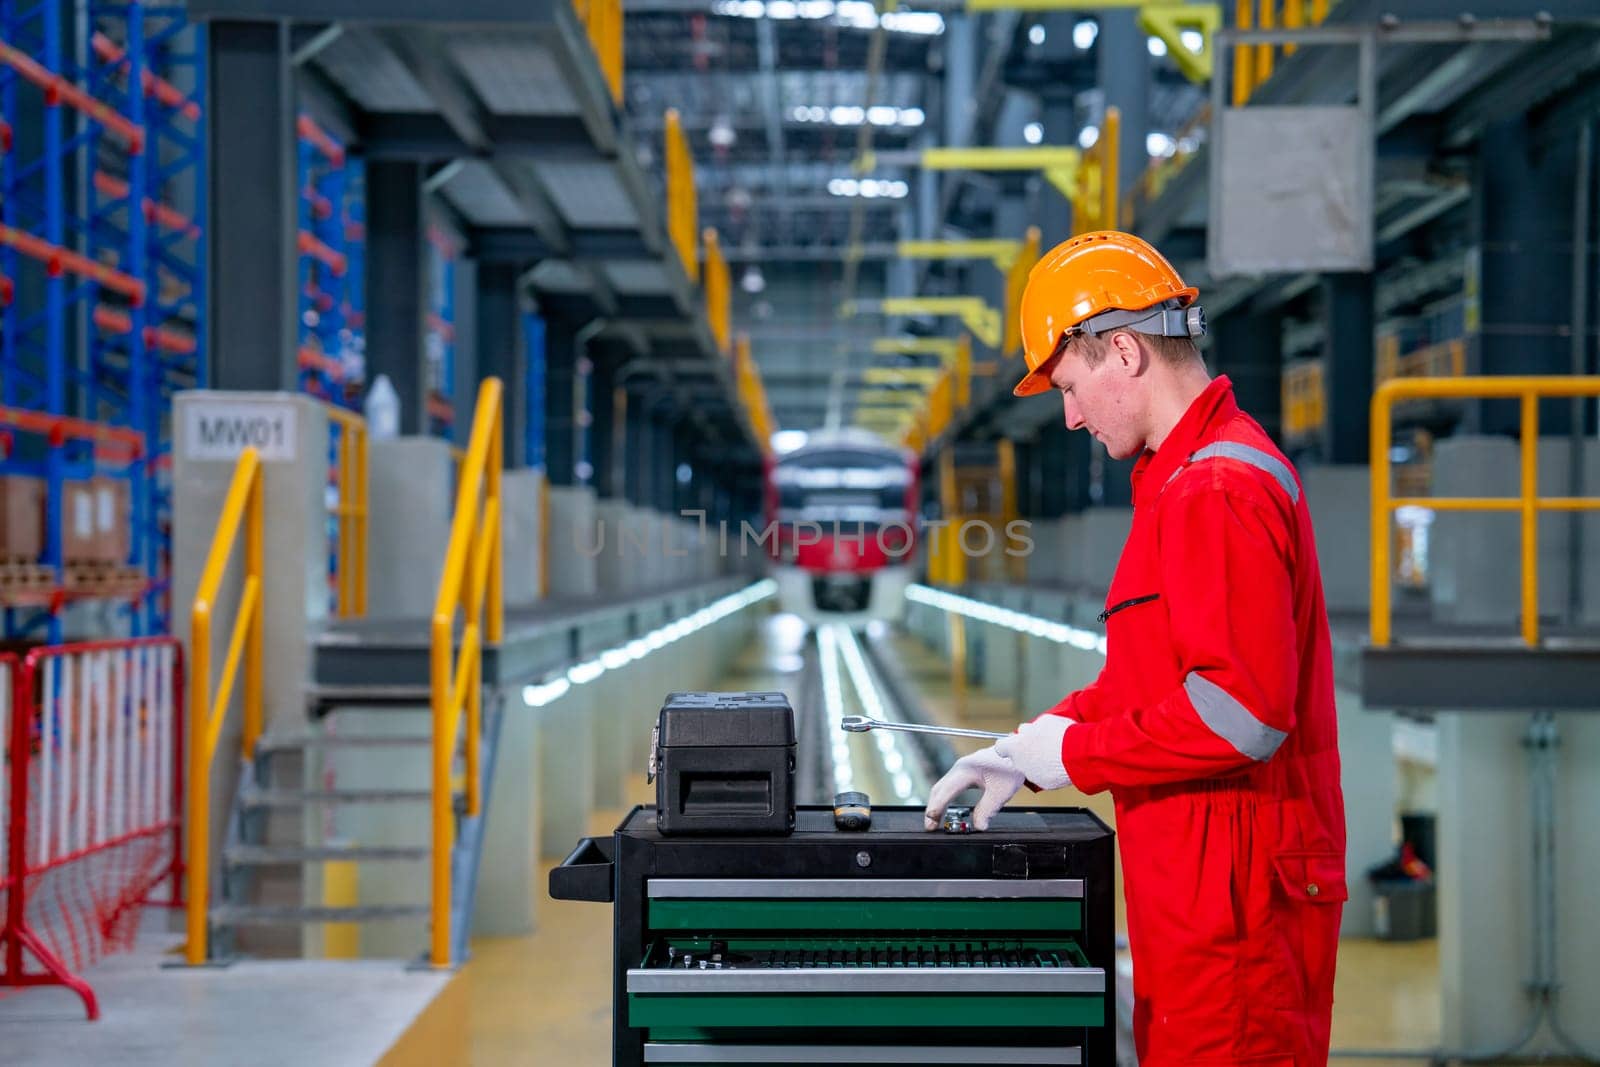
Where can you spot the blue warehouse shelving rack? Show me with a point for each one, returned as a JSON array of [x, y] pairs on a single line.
[[329, 287], [439, 333], [102, 251]]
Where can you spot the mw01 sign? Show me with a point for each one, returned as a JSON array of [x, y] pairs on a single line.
[[222, 430]]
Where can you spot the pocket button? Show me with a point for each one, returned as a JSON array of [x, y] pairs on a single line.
[[1312, 890]]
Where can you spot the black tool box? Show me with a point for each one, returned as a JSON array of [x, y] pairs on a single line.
[[723, 763], [890, 946]]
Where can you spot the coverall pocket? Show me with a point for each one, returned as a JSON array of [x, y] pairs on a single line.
[[1314, 890]]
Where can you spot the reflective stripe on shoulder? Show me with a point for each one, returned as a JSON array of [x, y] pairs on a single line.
[[1255, 457], [1231, 720]]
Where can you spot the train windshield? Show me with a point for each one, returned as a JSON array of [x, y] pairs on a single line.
[[842, 485]]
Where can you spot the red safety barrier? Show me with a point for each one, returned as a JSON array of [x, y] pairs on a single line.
[[93, 791]]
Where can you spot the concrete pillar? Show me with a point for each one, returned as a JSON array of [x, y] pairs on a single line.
[[561, 403], [1125, 76], [508, 865], [1248, 348], [396, 283], [521, 536], [566, 770], [1348, 317], [499, 350], [574, 542], [252, 207], [1486, 934], [464, 347], [1339, 499], [410, 505], [1521, 217]]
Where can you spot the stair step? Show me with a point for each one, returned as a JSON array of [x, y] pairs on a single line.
[[291, 798], [249, 915], [377, 695], [296, 742], [260, 855]]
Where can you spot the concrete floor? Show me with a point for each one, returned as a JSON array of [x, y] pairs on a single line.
[[307, 1013], [547, 998]]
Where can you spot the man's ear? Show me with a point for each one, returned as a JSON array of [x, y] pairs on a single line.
[[1128, 352]]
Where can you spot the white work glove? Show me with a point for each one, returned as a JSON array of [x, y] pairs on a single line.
[[984, 769], [1035, 749]]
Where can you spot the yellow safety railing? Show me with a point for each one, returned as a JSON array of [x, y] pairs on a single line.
[[1447, 359], [1016, 282], [683, 225], [602, 19], [1529, 390], [1304, 399], [471, 587], [962, 369], [1095, 205], [752, 393], [207, 709], [719, 292], [351, 512], [1253, 64]]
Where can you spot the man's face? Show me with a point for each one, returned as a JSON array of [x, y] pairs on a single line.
[[1105, 399]]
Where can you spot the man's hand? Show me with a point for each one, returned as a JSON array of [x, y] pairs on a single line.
[[984, 769], [1035, 750]]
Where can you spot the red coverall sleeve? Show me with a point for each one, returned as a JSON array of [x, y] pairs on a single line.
[[1089, 704], [1226, 567]]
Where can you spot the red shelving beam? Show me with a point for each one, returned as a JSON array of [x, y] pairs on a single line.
[[310, 246], [113, 321], [311, 359], [117, 189], [58, 260], [153, 85], [58, 90], [314, 135], [62, 428]]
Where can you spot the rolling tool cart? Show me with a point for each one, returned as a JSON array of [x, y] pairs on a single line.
[[889, 945]]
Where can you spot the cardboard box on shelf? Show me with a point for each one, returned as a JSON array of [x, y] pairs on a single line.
[[80, 540], [113, 521], [21, 517]]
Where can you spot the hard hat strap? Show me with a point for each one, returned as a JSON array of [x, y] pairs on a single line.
[[1168, 319]]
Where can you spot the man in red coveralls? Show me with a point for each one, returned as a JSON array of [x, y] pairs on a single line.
[[1213, 721]]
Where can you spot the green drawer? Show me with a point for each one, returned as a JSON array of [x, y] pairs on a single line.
[[799, 914], [874, 982]]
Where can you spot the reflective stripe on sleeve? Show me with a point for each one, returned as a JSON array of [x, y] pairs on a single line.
[[1231, 720], [1255, 457]]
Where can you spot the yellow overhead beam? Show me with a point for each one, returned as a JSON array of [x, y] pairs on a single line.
[[998, 251], [977, 316], [1169, 21], [1050, 5], [943, 347], [893, 399], [1059, 164], [923, 376]]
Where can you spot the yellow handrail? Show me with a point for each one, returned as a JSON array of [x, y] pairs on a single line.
[[719, 291], [207, 713], [683, 213], [352, 512], [1528, 502], [603, 20], [471, 584]]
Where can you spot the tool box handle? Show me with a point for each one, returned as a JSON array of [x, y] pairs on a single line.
[[587, 872]]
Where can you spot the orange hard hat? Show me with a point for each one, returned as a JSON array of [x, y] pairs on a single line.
[[1093, 273]]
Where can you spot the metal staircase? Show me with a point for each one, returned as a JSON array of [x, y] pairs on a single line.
[[313, 810], [272, 859]]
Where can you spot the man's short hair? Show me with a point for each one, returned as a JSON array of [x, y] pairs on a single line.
[[1173, 351]]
